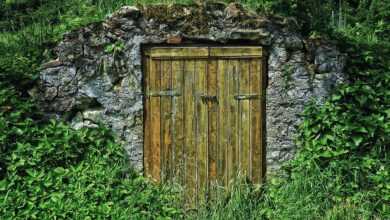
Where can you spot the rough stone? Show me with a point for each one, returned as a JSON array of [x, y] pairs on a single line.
[[126, 12], [106, 87]]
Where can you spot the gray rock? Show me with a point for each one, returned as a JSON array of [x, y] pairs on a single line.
[[127, 12], [106, 87]]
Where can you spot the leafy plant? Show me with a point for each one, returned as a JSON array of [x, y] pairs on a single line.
[[49, 170], [115, 48], [348, 137]]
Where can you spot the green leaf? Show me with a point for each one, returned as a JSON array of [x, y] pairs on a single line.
[[336, 97], [357, 140], [361, 130], [3, 185], [327, 154], [59, 170]]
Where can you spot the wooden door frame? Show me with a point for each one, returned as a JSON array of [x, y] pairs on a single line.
[[264, 59]]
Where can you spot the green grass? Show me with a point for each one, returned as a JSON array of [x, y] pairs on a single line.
[[341, 171]]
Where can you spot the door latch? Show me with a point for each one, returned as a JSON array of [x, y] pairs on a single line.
[[209, 98]]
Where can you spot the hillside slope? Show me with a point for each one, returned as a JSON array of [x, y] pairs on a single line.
[[48, 170]]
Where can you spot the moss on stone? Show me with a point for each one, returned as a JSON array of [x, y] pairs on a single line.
[[194, 18]]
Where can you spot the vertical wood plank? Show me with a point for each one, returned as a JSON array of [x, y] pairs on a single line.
[[245, 114], [166, 136], [189, 120], [178, 120], [256, 138], [239, 120], [232, 159], [222, 138], [212, 122], [147, 121], [202, 126], [155, 129], [263, 117]]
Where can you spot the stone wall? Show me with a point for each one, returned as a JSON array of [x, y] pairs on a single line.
[[97, 76]]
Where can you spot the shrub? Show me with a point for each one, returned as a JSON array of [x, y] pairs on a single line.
[[48, 170], [348, 139], [51, 171], [341, 170]]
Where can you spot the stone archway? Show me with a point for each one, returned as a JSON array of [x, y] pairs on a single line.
[[97, 76]]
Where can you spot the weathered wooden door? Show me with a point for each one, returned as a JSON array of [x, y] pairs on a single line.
[[204, 114]]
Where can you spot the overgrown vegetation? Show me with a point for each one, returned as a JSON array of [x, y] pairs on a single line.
[[48, 170]]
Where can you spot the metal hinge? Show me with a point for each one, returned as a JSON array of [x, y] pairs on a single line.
[[164, 93], [246, 96]]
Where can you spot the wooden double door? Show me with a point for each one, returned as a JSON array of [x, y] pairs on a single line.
[[204, 116]]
